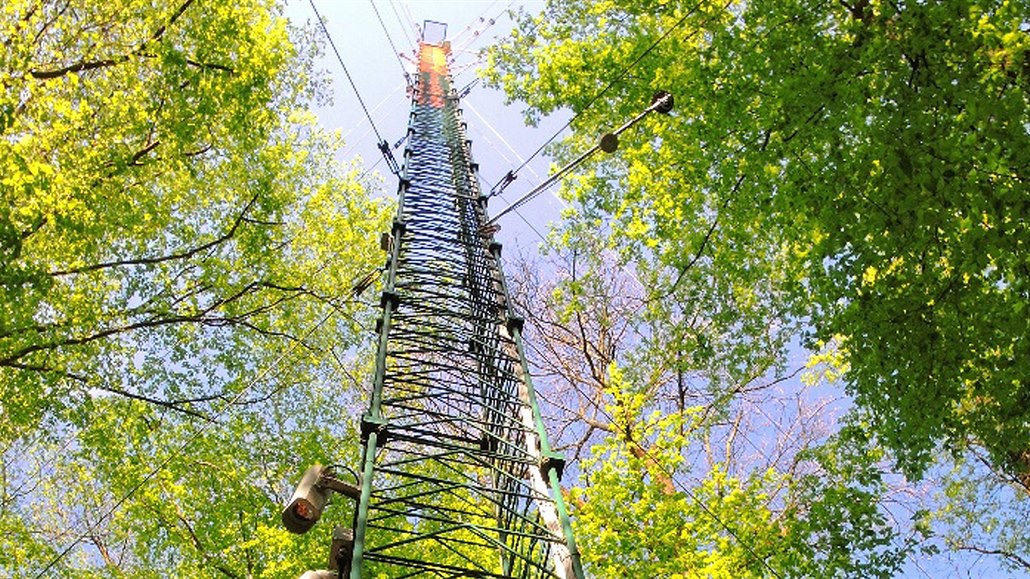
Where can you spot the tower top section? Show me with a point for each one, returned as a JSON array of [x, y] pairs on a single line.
[[434, 77]]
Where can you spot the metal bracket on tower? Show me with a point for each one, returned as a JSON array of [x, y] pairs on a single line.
[[553, 461], [370, 424]]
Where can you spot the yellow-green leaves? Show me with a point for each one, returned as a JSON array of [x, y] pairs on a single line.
[[858, 166], [177, 250], [853, 170], [826, 523]]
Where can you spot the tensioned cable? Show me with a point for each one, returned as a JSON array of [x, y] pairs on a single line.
[[384, 147], [396, 52], [669, 473], [411, 20], [339, 58], [518, 157], [506, 159], [42, 465], [597, 406], [607, 87], [178, 452], [486, 22], [663, 102], [72, 436], [711, 513], [465, 48], [481, 18], [505, 142], [353, 145], [404, 27]]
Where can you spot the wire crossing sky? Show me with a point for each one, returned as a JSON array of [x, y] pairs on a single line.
[[372, 38]]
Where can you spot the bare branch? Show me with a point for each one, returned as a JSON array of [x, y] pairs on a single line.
[[1012, 557]]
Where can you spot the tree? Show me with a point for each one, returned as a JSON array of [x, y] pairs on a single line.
[[981, 510], [859, 167], [692, 464], [180, 263], [825, 519]]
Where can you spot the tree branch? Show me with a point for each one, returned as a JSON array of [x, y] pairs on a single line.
[[155, 260], [704, 244], [142, 153], [103, 63], [210, 65], [654, 469], [77, 67], [1010, 556], [199, 546], [175, 17], [173, 405]]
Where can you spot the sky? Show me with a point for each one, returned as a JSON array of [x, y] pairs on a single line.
[[500, 139]]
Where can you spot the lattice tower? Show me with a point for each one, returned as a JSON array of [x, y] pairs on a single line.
[[458, 477]]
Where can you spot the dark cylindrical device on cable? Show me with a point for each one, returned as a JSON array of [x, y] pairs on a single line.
[[305, 508]]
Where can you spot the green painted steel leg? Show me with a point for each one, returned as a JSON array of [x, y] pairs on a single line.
[[566, 523], [362, 514]]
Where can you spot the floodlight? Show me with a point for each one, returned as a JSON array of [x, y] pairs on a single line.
[[305, 508]]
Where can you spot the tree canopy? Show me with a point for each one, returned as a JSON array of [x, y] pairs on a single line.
[[858, 168], [183, 260], [688, 467], [181, 255], [847, 176]]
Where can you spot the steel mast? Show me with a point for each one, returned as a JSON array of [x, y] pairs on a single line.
[[458, 478]]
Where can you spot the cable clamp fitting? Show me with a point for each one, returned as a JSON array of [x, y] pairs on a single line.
[[391, 162]]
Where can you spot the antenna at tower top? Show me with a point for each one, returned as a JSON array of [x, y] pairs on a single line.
[[434, 32]]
